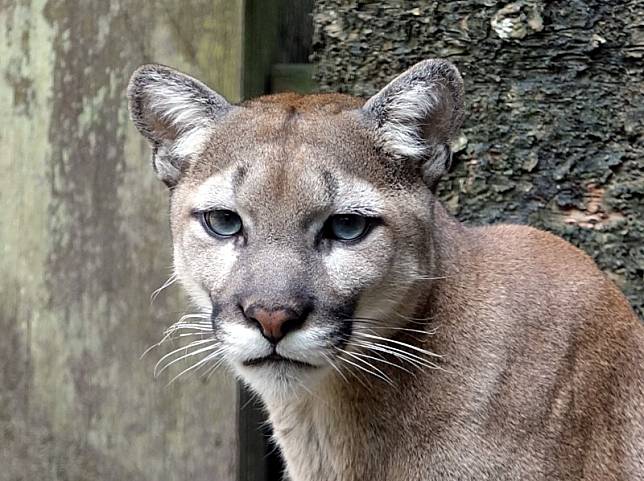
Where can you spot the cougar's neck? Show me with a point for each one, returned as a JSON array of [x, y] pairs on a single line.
[[322, 433], [452, 244]]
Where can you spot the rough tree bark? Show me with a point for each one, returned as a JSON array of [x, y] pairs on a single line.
[[554, 131]]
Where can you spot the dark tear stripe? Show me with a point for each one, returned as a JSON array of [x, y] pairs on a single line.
[[330, 183], [239, 176]]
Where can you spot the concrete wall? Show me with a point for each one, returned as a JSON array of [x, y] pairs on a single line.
[[84, 241]]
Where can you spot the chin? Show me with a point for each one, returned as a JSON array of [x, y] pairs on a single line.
[[279, 379]]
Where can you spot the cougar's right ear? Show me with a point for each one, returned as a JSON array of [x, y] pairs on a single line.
[[174, 112]]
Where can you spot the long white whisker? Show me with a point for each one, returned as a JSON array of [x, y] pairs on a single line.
[[399, 353], [152, 347], [380, 359], [379, 374], [196, 326], [403, 344], [179, 325], [171, 280], [354, 374], [185, 356], [194, 315], [411, 355], [414, 320], [332, 364], [182, 348], [203, 361], [212, 369], [372, 322]]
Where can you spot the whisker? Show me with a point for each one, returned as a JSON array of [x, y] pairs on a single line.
[[189, 334], [194, 315], [428, 278], [381, 359], [305, 388], [211, 370], [398, 353], [205, 326], [379, 374], [410, 320], [407, 318], [179, 325], [171, 280], [152, 347], [393, 328], [354, 374], [400, 343], [332, 364], [203, 361], [182, 348], [185, 356]]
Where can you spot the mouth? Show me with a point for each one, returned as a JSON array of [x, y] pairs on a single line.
[[275, 358]]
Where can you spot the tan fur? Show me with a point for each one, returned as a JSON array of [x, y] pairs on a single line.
[[541, 367], [543, 378]]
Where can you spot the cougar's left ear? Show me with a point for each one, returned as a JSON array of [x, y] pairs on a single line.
[[174, 112], [417, 115]]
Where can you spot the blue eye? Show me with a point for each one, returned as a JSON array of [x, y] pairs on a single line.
[[347, 227], [221, 223]]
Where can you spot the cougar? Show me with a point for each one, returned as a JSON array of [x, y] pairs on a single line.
[[387, 340]]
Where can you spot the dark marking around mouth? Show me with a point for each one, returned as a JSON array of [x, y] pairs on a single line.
[[275, 358], [216, 309], [345, 328]]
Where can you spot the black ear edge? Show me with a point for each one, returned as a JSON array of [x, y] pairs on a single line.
[[188, 102], [136, 87], [174, 112]]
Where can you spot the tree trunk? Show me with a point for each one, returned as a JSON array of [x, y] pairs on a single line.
[[554, 128], [84, 238]]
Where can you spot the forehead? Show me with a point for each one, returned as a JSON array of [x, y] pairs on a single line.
[[306, 151], [307, 191], [290, 131]]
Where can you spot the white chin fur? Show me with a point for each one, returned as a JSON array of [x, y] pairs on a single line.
[[280, 381], [275, 380]]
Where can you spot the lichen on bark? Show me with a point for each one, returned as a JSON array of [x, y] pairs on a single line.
[[553, 135]]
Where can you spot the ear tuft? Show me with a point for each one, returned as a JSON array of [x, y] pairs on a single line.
[[418, 114], [174, 112]]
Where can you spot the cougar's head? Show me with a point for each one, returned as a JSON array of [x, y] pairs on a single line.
[[301, 224]]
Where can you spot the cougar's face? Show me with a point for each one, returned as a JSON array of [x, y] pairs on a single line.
[[301, 225], [288, 235]]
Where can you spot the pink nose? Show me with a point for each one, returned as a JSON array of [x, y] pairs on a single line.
[[274, 323]]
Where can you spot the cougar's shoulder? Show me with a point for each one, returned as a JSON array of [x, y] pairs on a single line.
[[542, 263]]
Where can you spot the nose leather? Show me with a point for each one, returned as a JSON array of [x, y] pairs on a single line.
[[274, 323]]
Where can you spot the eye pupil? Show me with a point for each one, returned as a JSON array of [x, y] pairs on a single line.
[[347, 226], [222, 223]]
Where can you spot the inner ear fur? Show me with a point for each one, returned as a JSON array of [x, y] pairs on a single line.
[[417, 115], [173, 111]]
